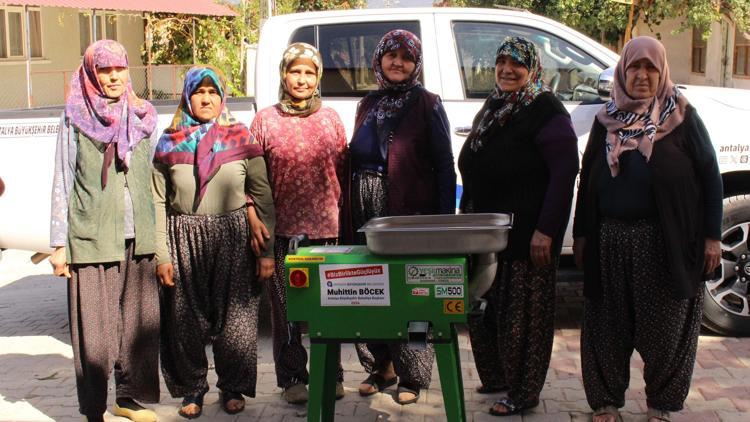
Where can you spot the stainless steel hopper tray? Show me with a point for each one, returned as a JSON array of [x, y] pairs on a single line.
[[459, 234]]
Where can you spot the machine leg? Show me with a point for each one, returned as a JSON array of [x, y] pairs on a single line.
[[324, 360], [449, 366]]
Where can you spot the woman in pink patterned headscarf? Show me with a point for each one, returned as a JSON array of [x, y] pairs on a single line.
[[102, 229], [647, 230]]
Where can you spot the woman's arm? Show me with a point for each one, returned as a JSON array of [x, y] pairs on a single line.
[[442, 159], [62, 183], [593, 146], [260, 190], [160, 183], [558, 145], [707, 170]]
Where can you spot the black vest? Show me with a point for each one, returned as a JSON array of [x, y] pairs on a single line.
[[509, 175]]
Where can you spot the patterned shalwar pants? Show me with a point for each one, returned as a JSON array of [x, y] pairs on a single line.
[[512, 341], [289, 364], [413, 367], [637, 310], [114, 323], [214, 301]]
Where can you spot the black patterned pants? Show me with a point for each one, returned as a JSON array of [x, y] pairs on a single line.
[[512, 341], [637, 311], [289, 362], [114, 323], [214, 301], [413, 367]]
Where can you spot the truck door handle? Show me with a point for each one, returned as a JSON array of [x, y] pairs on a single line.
[[462, 130]]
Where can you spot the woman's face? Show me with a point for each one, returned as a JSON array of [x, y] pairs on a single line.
[[641, 79], [510, 75], [397, 65], [301, 79], [205, 101], [113, 80]]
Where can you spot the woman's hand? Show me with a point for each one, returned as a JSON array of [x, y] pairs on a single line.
[[258, 232], [579, 243], [711, 255], [165, 273], [59, 261], [541, 249], [264, 269]]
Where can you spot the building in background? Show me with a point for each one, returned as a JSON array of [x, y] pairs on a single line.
[[721, 60], [42, 42]]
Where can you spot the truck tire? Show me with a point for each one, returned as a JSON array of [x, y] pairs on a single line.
[[726, 306]]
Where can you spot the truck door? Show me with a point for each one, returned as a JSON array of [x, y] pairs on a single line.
[[568, 71]]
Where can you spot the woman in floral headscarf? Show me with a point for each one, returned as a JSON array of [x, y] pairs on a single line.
[[647, 229], [305, 146], [402, 164], [206, 166], [102, 230], [521, 157]]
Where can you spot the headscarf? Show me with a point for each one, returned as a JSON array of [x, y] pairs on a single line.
[[394, 99], [296, 51], [120, 123], [637, 124], [208, 145], [500, 105]]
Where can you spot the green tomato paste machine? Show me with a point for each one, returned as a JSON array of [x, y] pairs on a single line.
[[411, 283]]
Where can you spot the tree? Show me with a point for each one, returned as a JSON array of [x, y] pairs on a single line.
[[606, 19], [697, 13]]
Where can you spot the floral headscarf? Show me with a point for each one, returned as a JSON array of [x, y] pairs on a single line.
[[120, 123], [209, 145], [630, 122], [500, 105], [296, 51], [394, 99]]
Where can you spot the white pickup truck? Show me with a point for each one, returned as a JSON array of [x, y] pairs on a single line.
[[459, 46]]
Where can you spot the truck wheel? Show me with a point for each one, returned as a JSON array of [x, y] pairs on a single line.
[[726, 309]]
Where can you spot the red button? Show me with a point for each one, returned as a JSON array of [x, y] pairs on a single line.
[[298, 278]]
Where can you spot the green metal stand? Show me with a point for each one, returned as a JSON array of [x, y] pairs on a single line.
[[449, 366], [324, 361]]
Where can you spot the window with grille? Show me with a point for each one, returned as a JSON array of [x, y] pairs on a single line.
[[698, 61], [105, 28], [13, 33], [741, 54]]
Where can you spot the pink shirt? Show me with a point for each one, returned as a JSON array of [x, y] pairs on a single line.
[[305, 160]]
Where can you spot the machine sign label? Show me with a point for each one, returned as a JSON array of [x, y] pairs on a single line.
[[420, 291], [449, 291], [303, 258], [434, 274], [354, 285], [453, 306]]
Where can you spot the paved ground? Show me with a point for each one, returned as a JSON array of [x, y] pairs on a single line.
[[37, 381]]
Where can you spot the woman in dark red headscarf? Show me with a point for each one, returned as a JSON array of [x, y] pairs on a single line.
[[102, 230], [647, 230], [402, 164]]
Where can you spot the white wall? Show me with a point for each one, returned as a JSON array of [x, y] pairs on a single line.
[[61, 56]]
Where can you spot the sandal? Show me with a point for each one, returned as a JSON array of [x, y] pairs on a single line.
[[661, 415], [403, 388], [379, 382], [226, 396], [608, 410], [485, 389], [196, 399], [512, 408]]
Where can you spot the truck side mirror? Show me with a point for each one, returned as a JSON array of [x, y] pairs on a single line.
[[604, 85]]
